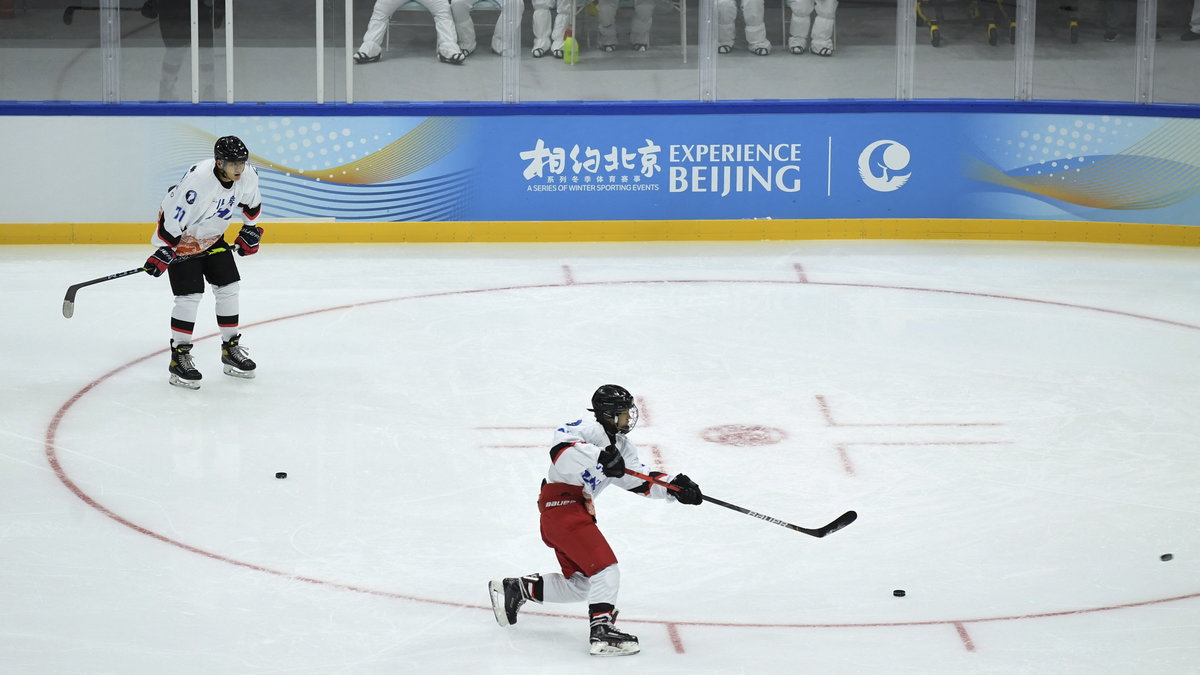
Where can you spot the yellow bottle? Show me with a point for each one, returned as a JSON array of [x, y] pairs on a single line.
[[570, 48]]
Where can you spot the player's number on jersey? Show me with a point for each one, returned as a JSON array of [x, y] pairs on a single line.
[[179, 213]]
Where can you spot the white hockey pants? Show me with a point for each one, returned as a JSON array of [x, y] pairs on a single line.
[[822, 28]]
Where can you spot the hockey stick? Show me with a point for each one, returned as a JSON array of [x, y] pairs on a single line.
[[72, 290], [837, 523], [69, 300]]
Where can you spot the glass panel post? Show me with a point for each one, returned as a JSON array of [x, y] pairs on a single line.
[[1147, 34], [1026, 17], [510, 28], [320, 50], [110, 49], [349, 50], [708, 50], [906, 48], [194, 8], [228, 51]]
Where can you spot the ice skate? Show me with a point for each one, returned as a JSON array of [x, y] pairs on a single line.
[[236, 359], [183, 370], [508, 595], [608, 641]]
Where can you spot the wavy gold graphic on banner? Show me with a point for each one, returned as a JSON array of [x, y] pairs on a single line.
[[1160, 170], [427, 143]]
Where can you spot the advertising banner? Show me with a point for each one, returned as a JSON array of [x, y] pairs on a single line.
[[626, 167]]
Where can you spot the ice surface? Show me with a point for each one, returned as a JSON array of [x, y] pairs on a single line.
[[1014, 422]]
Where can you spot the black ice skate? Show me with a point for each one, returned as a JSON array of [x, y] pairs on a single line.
[[508, 595], [236, 359], [183, 371], [607, 640]]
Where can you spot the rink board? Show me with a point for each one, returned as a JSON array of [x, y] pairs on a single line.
[[624, 172]]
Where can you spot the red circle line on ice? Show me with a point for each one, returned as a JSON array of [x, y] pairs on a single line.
[[51, 451]]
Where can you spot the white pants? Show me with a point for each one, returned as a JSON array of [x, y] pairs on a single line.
[[822, 28], [643, 15], [752, 17], [464, 27], [443, 23], [1195, 24], [600, 587], [549, 31]]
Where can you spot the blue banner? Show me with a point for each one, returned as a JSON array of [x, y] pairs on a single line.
[[660, 167]]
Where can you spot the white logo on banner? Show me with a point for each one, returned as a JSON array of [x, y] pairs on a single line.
[[895, 157]]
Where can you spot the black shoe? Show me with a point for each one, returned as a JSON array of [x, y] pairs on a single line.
[[538, 52], [1189, 36], [236, 359], [183, 370], [361, 57], [456, 59], [1111, 35], [640, 47], [608, 48]]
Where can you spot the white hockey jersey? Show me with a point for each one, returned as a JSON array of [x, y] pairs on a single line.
[[195, 214], [573, 460]]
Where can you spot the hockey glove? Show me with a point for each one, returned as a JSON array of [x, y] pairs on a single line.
[[157, 263], [248, 238], [612, 461], [689, 492]]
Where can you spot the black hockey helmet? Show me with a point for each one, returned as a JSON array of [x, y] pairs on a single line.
[[609, 401], [230, 149]]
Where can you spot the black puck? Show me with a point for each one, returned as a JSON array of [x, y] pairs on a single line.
[[280, 474], [1165, 557], [899, 592]]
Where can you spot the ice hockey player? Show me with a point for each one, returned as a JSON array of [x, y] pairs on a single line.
[[587, 457], [192, 221]]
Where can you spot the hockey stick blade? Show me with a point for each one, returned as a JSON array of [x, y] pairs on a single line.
[[837, 524]]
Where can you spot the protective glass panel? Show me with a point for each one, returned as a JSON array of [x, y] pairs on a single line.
[[627, 50], [1085, 50], [50, 52], [428, 50], [817, 49], [1176, 55], [156, 54], [275, 54], [965, 49]]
